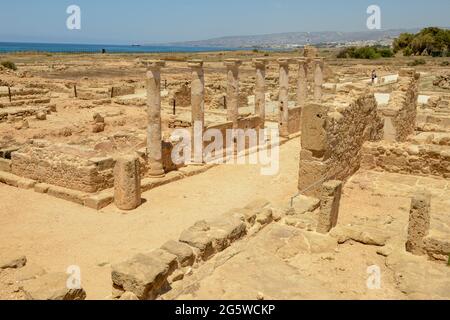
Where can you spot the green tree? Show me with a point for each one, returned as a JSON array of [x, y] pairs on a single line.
[[403, 41]]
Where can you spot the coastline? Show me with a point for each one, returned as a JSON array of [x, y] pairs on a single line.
[[22, 47]]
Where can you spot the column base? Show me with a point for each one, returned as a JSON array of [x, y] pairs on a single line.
[[157, 173]]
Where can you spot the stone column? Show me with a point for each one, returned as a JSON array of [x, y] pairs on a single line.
[[318, 79], [302, 82], [284, 97], [127, 183], [198, 108], [329, 206], [154, 134], [233, 90], [260, 89], [419, 224]]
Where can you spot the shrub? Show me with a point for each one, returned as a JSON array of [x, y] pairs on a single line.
[[432, 40], [365, 53], [9, 65], [407, 52], [417, 62]]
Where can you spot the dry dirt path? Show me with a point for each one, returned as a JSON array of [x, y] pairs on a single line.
[[56, 234]]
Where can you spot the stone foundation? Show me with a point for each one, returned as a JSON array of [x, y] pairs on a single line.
[[66, 166], [405, 158]]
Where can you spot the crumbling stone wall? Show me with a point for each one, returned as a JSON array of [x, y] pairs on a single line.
[[20, 113], [332, 139], [407, 158], [65, 166], [400, 114]]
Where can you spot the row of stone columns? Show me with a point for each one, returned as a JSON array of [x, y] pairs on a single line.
[[154, 129], [198, 92], [302, 87], [260, 65]]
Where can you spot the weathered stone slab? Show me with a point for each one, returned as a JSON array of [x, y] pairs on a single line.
[[303, 204], [26, 184], [225, 230], [144, 274], [67, 194], [100, 201], [9, 179], [197, 236], [41, 187], [52, 286], [184, 253]]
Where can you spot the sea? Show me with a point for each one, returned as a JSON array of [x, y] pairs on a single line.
[[7, 47]]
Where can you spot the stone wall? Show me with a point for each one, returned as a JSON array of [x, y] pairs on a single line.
[[407, 158], [65, 166], [21, 112], [149, 274], [332, 139], [122, 91], [401, 112]]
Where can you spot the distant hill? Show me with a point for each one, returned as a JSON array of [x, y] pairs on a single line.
[[292, 39]]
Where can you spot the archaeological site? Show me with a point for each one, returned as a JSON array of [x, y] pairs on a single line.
[[91, 187], [294, 173]]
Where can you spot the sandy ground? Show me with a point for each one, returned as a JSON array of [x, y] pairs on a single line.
[[56, 234]]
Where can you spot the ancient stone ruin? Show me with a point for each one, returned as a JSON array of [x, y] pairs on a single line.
[[362, 180]]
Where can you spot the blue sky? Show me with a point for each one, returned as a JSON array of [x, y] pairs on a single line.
[[157, 21]]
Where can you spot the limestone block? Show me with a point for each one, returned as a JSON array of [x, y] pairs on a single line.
[[67, 194], [52, 286], [304, 204], [419, 224], [99, 201], [244, 214], [41, 187], [197, 236], [26, 183], [310, 175], [144, 274], [314, 134], [224, 230], [9, 179], [329, 206], [183, 252], [127, 183], [265, 217]]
